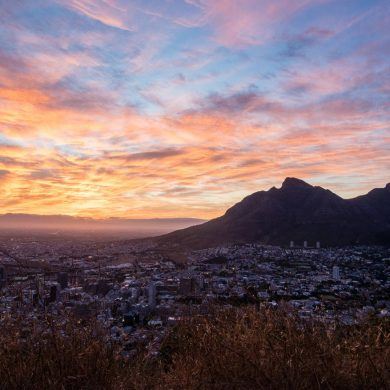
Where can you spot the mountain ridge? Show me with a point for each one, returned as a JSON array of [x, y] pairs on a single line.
[[297, 211]]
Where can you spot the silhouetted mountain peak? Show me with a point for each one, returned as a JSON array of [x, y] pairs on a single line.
[[292, 182], [298, 212]]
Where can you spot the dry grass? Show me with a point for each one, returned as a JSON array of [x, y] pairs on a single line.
[[276, 350], [235, 349], [66, 357]]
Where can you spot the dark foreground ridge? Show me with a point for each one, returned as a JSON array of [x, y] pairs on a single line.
[[295, 212]]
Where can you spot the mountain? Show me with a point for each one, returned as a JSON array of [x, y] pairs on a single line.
[[295, 212], [112, 226]]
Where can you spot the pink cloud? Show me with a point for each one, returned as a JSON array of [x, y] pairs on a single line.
[[108, 12], [248, 22]]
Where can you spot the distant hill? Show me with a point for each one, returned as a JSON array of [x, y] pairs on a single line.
[[295, 212], [131, 227]]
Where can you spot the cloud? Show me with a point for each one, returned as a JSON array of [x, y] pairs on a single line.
[[45, 174], [249, 22], [297, 44], [109, 13], [240, 102], [157, 154], [200, 104]]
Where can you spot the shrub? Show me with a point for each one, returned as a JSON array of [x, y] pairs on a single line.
[[271, 349], [231, 349]]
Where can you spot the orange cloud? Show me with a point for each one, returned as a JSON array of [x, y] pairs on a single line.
[[80, 137]]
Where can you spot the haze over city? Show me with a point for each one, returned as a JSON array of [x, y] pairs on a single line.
[[135, 109]]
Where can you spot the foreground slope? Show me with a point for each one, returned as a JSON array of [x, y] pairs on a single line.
[[297, 211], [238, 349]]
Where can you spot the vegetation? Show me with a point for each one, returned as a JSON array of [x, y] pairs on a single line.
[[232, 349]]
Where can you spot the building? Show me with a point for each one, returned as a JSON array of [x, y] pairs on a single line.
[[134, 294], [62, 279], [54, 293], [199, 282], [187, 286], [152, 294], [3, 277], [336, 272]]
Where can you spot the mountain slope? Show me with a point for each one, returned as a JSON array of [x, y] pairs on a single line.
[[297, 211]]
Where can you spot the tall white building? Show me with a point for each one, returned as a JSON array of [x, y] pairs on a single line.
[[305, 244], [318, 245]]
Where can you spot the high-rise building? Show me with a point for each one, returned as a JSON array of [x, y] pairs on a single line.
[[62, 279], [134, 294], [199, 282], [3, 276], [305, 244], [318, 245], [54, 293], [291, 244], [152, 294], [336, 272], [40, 284]]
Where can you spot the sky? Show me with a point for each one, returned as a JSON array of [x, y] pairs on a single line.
[[120, 108]]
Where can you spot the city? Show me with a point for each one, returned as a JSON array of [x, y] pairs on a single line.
[[136, 290]]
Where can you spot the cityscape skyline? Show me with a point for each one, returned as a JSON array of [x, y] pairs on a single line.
[[113, 108]]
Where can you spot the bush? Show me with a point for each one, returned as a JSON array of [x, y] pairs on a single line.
[[271, 349], [231, 349], [48, 356]]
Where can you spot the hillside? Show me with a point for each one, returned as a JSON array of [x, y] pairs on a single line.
[[243, 348], [295, 212]]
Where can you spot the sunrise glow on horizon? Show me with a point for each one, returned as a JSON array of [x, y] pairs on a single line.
[[142, 109]]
